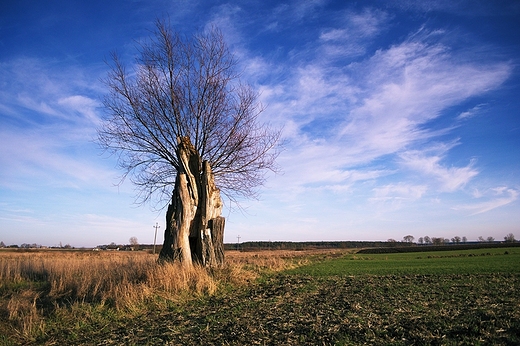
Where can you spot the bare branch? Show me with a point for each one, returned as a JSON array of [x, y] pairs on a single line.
[[185, 87]]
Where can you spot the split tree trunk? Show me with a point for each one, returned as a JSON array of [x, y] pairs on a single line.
[[194, 228]]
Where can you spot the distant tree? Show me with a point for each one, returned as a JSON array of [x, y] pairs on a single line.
[[420, 240], [408, 238], [391, 240], [481, 239], [134, 243], [185, 128], [427, 240], [2, 245], [437, 241], [510, 238], [464, 239], [456, 239], [490, 239]]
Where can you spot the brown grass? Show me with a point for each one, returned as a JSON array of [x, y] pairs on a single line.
[[33, 285]]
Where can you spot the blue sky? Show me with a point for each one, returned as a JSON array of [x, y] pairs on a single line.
[[399, 117]]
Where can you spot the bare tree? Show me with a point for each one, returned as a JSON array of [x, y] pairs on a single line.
[[437, 241], [510, 238], [185, 129], [408, 238], [392, 242], [134, 243]]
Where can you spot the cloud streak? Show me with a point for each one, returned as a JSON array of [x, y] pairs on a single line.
[[398, 192], [449, 178], [48, 124], [471, 112], [408, 86], [340, 118], [351, 39], [497, 197]]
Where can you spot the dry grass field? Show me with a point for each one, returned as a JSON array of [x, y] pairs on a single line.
[[37, 286]]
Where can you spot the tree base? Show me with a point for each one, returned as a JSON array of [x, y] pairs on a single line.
[[194, 228]]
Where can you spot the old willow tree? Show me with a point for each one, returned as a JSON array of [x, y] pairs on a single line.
[[182, 124]]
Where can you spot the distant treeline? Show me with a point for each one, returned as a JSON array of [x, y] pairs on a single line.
[[126, 247], [426, 248], [366, 246], [288, 245]]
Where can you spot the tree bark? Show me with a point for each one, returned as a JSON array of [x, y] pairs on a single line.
[[194, 228], [217, 231]]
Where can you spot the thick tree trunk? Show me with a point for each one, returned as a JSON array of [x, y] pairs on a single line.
[[194, 228]]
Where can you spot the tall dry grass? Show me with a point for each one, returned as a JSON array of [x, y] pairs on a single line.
[[35, 284]]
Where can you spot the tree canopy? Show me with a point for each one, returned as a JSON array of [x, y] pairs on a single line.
[[185, 87]]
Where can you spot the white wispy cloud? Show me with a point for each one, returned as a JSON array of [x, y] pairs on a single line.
[[37, 91], [49, 120], [312, 163], [381, 105], [295, 11], [48, 158], [398, 192], [340, 118], [449, 178], [355, 33], [401, 190], [85, 106], [495, 198], [471, 112], [409, 85]]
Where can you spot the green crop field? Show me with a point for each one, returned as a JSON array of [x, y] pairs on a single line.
[[483, 261]]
